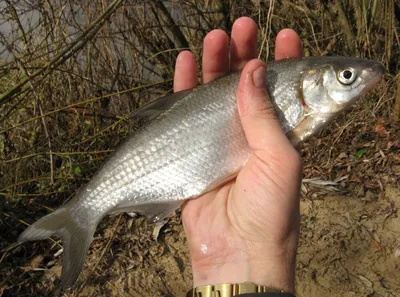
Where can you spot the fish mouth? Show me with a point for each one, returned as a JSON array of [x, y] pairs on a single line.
[[373, 76], [379, 68]]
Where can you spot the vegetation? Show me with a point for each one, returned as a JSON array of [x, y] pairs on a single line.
[[71, 73]]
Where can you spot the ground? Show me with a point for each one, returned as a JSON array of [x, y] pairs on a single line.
[[349, 239], [348, 247], [57, 129]]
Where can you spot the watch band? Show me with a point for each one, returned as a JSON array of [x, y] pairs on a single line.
[[228, 290]]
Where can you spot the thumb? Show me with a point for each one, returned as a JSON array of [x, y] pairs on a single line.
[[257, 113], [273, 171]]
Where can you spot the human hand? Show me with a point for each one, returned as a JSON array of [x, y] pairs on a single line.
[[246, 230]]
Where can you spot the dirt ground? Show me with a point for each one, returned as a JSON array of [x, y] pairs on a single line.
[[348, 247], [349, 240], [350, 204]]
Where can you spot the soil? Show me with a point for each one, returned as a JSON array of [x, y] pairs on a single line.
[[349, 239], [74, 113], [348, 247]]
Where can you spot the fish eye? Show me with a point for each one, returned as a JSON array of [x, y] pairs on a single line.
[[347, 76]]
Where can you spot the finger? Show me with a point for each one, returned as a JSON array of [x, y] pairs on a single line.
[[243, 42], [256, 111], [215, 55], [288, 45], [185, 76], [275, 164]]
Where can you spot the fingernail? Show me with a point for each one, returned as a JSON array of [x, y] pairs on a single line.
[[259, 77]]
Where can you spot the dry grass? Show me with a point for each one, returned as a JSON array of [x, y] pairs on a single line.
[[73, 73]]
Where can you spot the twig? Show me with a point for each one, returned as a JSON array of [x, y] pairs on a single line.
[[57, 154], [344, 22], [15, 245], [6, 250], [329, 47], [32, 194], [27, 74], [175, 30], [35, 179], [170, 50], [65, 54], [46, 133], [268, 31], [14, 14], [85, 102], [341, 132], [383, 98], [397, 100], [101, 256]]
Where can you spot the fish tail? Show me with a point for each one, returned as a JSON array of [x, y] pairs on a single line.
[[76, 240]]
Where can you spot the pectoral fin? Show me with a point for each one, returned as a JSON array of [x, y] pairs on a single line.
[[310, 125]]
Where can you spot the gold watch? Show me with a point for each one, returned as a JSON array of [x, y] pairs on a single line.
[[228, 290]]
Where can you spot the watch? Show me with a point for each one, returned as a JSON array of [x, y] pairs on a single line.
[[228, 290]]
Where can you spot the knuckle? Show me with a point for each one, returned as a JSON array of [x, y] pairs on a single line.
[[264, 109]]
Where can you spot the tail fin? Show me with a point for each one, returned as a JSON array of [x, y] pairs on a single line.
[[76, 241]]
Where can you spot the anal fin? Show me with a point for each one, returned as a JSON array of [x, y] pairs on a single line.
[[157, 228], [155, 212]]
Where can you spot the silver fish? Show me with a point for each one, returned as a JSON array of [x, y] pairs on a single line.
[[194, 142]]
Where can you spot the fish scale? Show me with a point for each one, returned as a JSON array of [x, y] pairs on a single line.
[[193, 141]]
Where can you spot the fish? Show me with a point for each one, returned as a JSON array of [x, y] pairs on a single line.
[[193, 141]]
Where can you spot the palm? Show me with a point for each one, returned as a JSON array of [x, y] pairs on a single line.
[[214, 224], [231, 220]]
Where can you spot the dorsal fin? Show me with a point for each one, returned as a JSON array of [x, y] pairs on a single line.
[[154, 108]]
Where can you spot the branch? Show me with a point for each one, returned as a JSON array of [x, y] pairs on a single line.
[[65, 54], [337, 7], [397, 100], [172, 26]]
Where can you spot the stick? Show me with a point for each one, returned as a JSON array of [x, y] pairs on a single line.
[[65, 54]]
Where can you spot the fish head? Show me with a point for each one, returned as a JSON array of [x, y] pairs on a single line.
[[328, 87], [337, 82]]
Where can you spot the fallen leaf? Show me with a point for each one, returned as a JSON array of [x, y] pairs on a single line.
[[380, 129], [360, 153]]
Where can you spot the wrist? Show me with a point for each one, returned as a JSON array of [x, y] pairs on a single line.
[[274, 268]]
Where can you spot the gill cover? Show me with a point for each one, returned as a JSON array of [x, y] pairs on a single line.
[[325, 89]]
